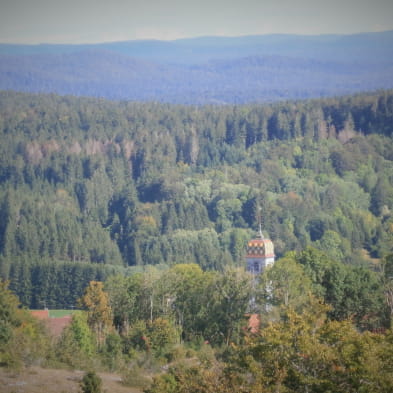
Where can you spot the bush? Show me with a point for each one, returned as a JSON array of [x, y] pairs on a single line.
[[206, 355], [23, 339], [135, 377], [176, 353], [91, 383]]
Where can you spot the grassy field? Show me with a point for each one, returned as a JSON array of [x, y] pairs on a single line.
[[39, 380]]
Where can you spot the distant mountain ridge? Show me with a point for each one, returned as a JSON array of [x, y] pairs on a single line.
[[201, 49], [204, 70]]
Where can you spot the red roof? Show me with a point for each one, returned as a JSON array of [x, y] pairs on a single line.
[[54, 325], [40, 314]]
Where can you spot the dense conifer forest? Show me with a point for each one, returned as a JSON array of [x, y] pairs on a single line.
[[138, 215], [90, 187]]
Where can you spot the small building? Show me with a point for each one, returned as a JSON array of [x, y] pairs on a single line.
[[55, 325], [260, 254]]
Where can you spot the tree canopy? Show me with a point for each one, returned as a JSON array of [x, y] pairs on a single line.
[[90, 187]]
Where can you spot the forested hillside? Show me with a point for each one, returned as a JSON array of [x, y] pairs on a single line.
[[90, 187], [205, 70]]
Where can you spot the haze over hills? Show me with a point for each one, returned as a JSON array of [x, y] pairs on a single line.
[[206, 69], [362, 47]]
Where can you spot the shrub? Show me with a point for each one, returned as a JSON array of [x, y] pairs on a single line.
[[91, 383], [176, 353], [135, 377]]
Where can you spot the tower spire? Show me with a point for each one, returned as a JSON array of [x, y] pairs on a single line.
[[260, 231], [260, 223]]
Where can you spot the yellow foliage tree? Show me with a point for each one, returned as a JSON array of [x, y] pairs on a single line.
[[99, 313]]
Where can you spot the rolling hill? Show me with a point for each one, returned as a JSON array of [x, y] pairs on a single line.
[[206, 70]]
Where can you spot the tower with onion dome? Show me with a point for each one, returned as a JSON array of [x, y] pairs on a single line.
[[260, 253]]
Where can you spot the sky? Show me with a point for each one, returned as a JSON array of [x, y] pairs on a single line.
[[93, 21]]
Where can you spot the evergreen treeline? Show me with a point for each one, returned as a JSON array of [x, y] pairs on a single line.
[[86, 183]]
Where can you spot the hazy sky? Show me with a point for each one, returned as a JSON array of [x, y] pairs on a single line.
[[88, 21]]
